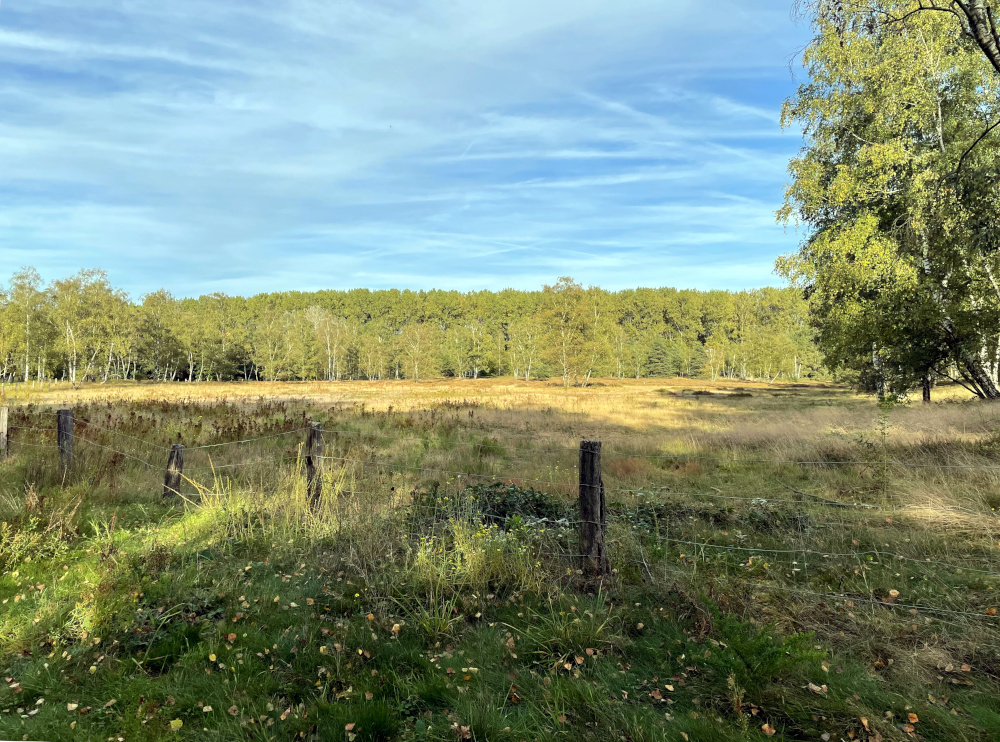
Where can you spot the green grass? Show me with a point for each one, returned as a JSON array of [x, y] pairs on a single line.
[[428, 609]]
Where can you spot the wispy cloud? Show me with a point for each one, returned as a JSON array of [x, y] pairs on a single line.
[[244, 145]]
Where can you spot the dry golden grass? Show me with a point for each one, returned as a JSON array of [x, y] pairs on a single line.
[[692, 423]]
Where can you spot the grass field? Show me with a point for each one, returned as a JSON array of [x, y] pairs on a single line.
[[790, 562]]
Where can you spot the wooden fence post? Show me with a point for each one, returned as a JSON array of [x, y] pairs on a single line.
[[65, 438], [3, 433], [314, 463], [175, 468], [593, 518]]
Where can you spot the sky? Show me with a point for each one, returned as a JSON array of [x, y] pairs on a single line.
[[246, 146]]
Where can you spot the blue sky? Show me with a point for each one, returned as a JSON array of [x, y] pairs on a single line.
[[247, 146]]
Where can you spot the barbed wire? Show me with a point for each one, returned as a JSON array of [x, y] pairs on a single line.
[[217, 467], [89, 424], [659, 491], [873, 601], [247, 440], [500, 477], [114, 450], [606, 452]]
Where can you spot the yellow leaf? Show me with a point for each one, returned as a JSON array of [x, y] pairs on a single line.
[[176, 724], [768, 730]]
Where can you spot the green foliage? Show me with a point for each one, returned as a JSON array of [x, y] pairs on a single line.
[[24, 542], [500, 503], [663, 359], [82, 329], [568, 626], [896, 186], [755, 657]]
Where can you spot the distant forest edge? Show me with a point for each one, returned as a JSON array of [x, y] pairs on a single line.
[[83, 329]]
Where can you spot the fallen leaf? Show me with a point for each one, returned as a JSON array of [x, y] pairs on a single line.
[[769, 730], [233, 710], [211, 658], [72, 706], [349, 727], [176, 724], [913, 718]]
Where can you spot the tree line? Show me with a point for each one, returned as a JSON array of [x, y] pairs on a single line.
[[81, 328]]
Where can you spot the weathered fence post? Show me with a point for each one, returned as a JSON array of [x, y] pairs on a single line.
[[314, 463], [175, 469], [593, 518], [64, 437], [3, 433]]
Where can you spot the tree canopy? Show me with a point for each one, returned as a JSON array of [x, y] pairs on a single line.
[[897, 187]]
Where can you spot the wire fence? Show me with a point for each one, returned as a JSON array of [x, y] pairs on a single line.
[[351, 479]]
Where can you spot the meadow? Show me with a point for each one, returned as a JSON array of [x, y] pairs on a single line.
[[789, 562]]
